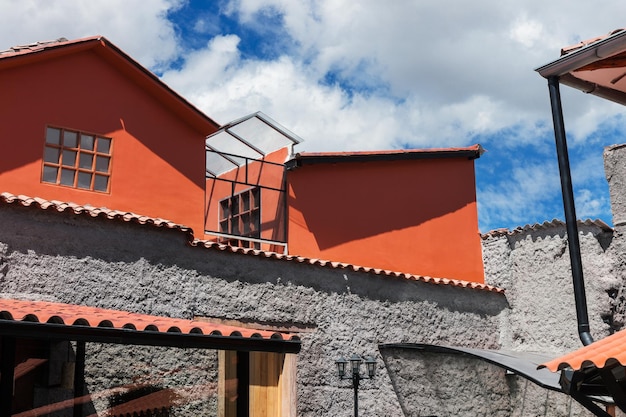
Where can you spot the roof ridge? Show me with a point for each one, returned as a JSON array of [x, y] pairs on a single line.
[[543, 226]]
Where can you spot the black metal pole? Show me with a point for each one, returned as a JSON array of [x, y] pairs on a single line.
[[355, 383], [570, 212], [79, 378]]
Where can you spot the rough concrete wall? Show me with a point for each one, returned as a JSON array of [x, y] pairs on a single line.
[[430, 384], [533, 266], [615, 170], [137, 268]]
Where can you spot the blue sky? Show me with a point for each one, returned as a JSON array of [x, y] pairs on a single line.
[[370, 75]]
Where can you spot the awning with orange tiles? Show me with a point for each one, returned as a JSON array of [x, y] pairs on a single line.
[[608, 351], [40, 319]]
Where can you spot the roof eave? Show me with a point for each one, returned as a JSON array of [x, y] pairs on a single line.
[[471, 153], [596, 51]]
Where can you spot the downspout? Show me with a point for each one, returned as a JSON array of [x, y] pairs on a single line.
[[570, 212]]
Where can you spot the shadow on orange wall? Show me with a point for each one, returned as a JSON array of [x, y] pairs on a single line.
[[341, 203]]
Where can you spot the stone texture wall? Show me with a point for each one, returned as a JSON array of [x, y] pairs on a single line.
[[532, 265], [109, 264]]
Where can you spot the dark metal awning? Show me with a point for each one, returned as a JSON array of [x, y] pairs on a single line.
[[520, 363], [529, 366]]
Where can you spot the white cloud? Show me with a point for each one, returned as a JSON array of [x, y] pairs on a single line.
[[137, 26]]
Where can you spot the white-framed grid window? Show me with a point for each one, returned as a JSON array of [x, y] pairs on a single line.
[[77, 159]]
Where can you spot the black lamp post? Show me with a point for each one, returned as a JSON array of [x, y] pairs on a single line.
[[355, 374]]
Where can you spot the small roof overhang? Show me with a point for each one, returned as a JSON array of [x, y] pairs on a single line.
[[310, 158], [596, 66], [58, 321], [595, 369]]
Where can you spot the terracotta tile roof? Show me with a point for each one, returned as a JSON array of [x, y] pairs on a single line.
[[345, 266], [75, 315], [571, 48], [58, 206], [544, 226], [612, 348], [36, 46], [87, 210]]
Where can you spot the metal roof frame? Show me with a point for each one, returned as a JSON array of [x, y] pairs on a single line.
[[250, 145]]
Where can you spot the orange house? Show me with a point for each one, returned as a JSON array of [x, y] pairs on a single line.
[[411, 211], [84, 123]]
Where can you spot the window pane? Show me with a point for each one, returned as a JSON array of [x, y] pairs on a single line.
[[225, 211], [102, 163], [50, 174], [86, 142], [69, 158], [101, 183], [53, 136], [84, 180], [234, 207], [245, 201], [104, 145], [51, 155], [85, 160], [67, 176], [70, 139]]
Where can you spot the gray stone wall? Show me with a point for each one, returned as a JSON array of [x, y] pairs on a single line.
[[110, 264], [532, 265]]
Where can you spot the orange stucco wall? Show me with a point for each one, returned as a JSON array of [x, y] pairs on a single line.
[[417, 216], [157, 165], [257, 173]]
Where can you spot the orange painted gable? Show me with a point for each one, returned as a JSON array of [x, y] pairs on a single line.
[[157, 152]]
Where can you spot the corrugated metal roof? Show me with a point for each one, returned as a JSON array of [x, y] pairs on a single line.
[[108, 214], [600, 353]]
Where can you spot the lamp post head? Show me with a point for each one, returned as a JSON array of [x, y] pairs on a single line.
[[370, 364], [355, 364], [341, 367]]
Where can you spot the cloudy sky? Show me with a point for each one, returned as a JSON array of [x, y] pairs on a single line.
[[371, 74]]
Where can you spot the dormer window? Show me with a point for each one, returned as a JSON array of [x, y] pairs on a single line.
[[77, 159]]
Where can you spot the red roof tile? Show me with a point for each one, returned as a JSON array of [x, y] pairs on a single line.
[[105, 213], [75, 315], [612, 348]]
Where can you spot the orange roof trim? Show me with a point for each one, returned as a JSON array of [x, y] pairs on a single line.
[[75, 315], [598, 354], [25, 201]]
